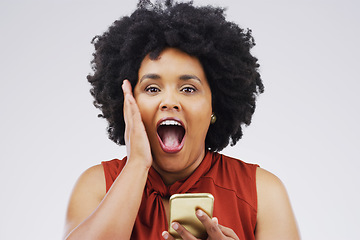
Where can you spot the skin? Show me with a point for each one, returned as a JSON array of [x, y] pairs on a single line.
[[166, 90], [163, 91]]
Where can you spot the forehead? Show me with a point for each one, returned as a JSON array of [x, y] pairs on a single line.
[[172, 61]]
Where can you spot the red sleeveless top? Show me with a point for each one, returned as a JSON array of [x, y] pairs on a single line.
[[231, 181]]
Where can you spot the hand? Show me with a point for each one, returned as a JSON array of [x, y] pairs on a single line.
[[214, 230], [136, 140]]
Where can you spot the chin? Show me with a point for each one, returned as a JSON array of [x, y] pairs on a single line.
[[170, 162]]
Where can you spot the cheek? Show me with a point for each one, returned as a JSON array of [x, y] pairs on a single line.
[[147, 110], [201, 107], [200, 111]]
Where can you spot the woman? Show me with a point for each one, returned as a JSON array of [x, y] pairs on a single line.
[[190, 84]]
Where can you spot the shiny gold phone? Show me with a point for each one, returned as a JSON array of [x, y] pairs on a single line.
[[183, 208]]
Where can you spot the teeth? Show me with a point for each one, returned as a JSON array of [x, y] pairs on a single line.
[[170, 122]]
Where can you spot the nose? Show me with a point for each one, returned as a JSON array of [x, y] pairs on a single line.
[[170, 102]]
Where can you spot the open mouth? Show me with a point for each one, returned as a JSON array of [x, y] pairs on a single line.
[[171, 135]]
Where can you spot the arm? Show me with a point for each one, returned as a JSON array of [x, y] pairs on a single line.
[[94, 215], [90, 217], [275, 218], [87, 194]]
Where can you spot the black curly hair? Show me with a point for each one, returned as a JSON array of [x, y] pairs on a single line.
[[222, 47]]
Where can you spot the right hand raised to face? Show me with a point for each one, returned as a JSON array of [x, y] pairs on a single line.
[[136, 139]]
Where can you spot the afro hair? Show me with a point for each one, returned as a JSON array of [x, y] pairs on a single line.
[[222, 47]]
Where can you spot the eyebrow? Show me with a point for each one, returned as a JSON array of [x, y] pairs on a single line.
[[156, 76], [188, 77], [150, 75]]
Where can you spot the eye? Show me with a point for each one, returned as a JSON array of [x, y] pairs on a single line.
[[188, 89], [152, 89]]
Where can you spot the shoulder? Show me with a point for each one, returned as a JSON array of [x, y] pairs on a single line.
[[235, 175], [267, 183], [94, 177], [275, 218], [88, 192], [90, 184], [271, 192], [94, 171]]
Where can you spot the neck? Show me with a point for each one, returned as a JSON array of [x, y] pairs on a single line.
[[170, 176]]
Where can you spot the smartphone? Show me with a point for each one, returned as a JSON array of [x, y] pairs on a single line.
[[183, 208]]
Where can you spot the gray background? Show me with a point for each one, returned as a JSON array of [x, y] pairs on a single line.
[[305, 129]]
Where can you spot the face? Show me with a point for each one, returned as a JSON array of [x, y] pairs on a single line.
[[174, 99]]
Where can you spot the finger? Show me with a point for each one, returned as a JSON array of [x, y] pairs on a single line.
[[167, 236], [126, 86], [132, 116], [136, 139], [210, 225], [228, 232], [184, 234], [127, 108], [128, 99]]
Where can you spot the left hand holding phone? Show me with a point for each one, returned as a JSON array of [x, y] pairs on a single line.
[[212, 226]]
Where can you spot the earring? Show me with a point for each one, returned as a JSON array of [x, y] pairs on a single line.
[[213, 118]]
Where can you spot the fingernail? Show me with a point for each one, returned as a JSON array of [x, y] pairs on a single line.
[[165, 235], [200, 213], [215, 219], [175, 226]]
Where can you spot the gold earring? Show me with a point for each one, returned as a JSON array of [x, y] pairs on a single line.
[[213, 118]]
